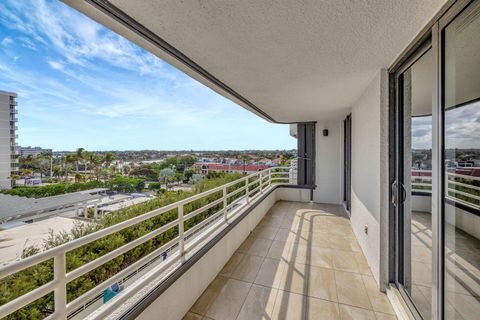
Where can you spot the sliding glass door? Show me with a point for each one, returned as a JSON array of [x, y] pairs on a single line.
[[435, 189], [461, 164], [413, 189]]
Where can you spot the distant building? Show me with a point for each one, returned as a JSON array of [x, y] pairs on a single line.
[[8, 136], [229, 168], [33, 151]]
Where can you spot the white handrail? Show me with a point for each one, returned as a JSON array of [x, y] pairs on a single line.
[[263, 180], [426, 181]]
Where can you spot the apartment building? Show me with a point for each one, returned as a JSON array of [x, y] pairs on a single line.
[[34, 151], [8, 137], [361, 233]]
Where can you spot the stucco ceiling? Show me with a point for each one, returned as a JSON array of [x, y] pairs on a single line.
[[294, 60]]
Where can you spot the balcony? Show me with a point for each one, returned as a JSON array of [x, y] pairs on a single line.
[[258, 254], [302, 261]]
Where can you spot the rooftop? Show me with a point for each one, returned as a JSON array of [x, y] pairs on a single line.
[[20, 207]]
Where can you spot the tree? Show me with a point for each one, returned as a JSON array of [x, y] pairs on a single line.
[[14, 177], [43, 165], [196, 177], [70, 160], [109, 158], [25, 173], [166, 175], [80, 156]]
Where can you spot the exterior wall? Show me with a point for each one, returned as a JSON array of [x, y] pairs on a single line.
[[6, 137], [368, 138], [329, 162]]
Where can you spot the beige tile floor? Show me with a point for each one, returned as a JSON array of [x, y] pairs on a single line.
[[301, 262], [462, 279]]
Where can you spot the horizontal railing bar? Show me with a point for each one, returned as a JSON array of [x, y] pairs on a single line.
[[204, 222], [27, 298], [231, 194], [191, 245], [421, 184], [234, 202], [421, 178], [72, 275], [214, 190], [423, 190], [465, 194], [465, 202], [463, 176], [470, 186], [125, 272], [202, 209], [254, 190]]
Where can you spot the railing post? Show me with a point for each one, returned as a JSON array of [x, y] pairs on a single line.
[[60, 295], [247, 191], [261, 181], [269, 172], [225, 204], [181, 242]]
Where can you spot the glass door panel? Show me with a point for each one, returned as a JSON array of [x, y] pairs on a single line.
[[415, 165], [461, 155]]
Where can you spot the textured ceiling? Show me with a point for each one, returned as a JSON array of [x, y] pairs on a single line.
[[295, 60]]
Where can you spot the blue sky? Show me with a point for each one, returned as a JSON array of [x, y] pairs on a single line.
[[81, 85]]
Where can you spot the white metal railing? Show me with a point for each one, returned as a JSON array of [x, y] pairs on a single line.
[[424, 184], [246, 189]]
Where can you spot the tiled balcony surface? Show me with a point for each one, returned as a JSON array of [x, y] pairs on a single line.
[[301, 262]]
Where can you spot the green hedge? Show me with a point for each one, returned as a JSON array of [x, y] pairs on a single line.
[[52, 189], [121, 184]]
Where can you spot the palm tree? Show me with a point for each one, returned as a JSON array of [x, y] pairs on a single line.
[[70, 159], [108, 159], [95, 161], [80, 156]]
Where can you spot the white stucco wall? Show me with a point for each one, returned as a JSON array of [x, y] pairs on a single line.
[[368, 159], [329, 162]]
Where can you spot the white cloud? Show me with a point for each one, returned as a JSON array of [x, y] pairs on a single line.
[[6, 41], [56, 65]]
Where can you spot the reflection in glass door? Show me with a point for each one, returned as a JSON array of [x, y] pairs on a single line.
[[414, 178], [461, 171]]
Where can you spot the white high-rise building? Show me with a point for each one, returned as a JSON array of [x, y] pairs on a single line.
[[8, 136]]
